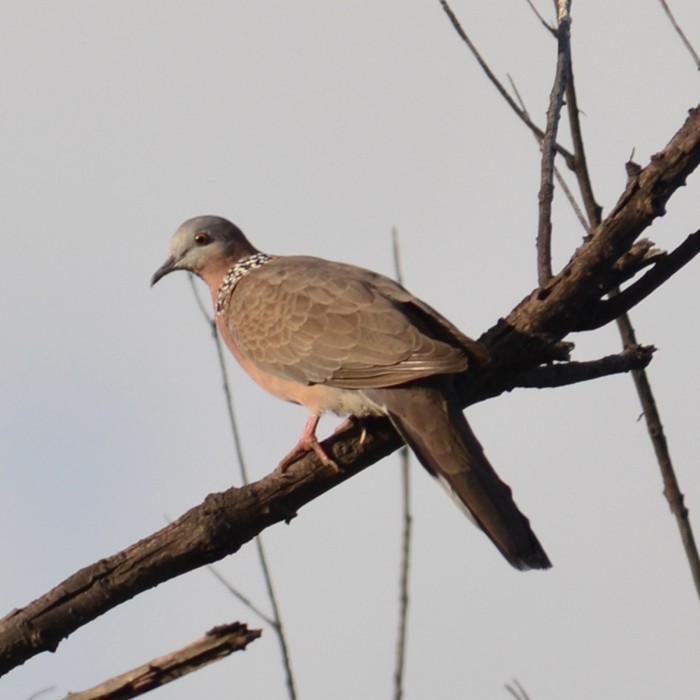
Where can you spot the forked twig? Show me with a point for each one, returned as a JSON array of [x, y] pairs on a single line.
[[567, 155], [542, 20]]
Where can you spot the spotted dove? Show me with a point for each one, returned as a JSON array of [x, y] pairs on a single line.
[[334, 337]]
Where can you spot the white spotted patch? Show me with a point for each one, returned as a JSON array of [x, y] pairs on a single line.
[[240, 269]]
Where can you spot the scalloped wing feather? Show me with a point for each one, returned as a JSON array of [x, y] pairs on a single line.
[[319, 322]]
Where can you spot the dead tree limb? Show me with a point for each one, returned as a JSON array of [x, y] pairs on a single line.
[[529, 336], [216, 644]]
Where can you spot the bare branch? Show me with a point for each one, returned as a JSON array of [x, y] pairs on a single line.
[[497, 83], [208, 532], [549, 376], [517, 691], [407, 520], [556, 102], [237, 443], [243, 599], [560, 178], [681, 34], [552, 30], [404, 571], [580, 166], [218, 643], [39, 693], [658, 438]]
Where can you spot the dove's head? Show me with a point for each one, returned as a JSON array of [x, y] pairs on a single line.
[[206, 246]]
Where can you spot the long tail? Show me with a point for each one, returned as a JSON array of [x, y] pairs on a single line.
[[432, 424]]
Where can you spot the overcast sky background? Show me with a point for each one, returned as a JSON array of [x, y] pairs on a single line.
[[317, 127]]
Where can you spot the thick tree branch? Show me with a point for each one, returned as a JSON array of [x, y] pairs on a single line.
[[221, 525], [530, 335]]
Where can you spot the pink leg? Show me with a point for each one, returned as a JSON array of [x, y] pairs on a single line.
[[307, 442]]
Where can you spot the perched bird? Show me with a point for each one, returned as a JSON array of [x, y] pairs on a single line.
[[335, 337]]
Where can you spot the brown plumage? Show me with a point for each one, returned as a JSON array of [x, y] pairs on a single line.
[[335, 337]]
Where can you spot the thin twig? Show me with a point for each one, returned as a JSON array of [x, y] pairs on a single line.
[[571, 198], [567, 155], [277, 625], [656, 432], [593, 210], [404, 574], [557, 173], [233, 424], [552, 30], [404, 567], [578, 162], [681, 34], [41, 692], [556, 102], [237, 594], [517, 691]]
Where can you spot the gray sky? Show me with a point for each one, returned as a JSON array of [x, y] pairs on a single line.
[[317, 127]]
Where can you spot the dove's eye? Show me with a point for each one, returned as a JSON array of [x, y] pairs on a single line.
[[201, 238]]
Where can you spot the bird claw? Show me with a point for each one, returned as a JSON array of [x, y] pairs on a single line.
[[305, 445], [350, 422]]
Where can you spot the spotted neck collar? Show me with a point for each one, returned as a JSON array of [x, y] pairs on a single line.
[[240, 269]]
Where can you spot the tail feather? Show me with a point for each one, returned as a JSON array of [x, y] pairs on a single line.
[[432, 424]]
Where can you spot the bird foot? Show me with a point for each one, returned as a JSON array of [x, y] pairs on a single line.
[[308, 442], [302, 448]]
